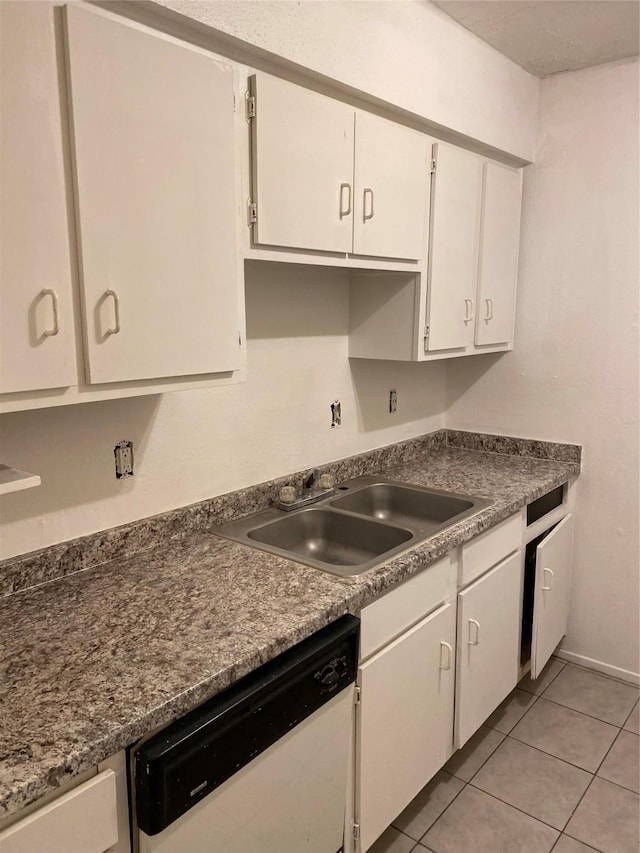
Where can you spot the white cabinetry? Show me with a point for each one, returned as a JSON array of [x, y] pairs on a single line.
[[83, 820], [465, 302], [312, 192], [153, 130], [146, 140], [456, 195], [404, 720], [406, 679], [498, 264], [488, 645], [551, 598], [391, 189], [302, 151], [37, 347]]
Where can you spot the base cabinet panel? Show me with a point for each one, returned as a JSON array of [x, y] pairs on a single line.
[[404, 720], [488, 645], [551, 596]]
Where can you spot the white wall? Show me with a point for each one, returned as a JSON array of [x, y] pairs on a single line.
[[573, 375], [192, 445], [406, 52]]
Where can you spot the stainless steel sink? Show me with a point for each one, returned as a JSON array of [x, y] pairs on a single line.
[[332, 538], [426, 510], [372, 521]]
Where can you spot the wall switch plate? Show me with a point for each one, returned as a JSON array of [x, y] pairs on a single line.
[[123, 452], [393, 401]]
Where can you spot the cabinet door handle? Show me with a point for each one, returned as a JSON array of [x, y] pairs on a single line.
[[489, 309], [366, 215], [444, 645], [48, 333], [346, 212], [475, 641], [544, 572], [468, 316], [116, 312]]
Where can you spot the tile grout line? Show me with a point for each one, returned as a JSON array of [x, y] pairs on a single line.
[[551, 755], [537, 696], [597, 672], [448, 806], [597, 675], [629, 717], [588, 788], [516, 808], [576, 711]]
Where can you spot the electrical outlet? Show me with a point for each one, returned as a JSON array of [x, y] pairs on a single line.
[[336, 414], [123, 452], [393, 401]]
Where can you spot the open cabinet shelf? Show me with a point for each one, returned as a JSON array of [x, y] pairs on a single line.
[[14, 480]]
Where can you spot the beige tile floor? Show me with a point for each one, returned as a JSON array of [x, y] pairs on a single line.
[[556, 767]]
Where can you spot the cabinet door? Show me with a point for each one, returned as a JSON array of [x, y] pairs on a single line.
[[488, 645], [498, 264], [551, 596], [302, 146], [153, 127], [456, 193], [37, 348], [391, 189], [404, 720]]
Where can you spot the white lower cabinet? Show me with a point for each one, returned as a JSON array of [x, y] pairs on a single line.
[[551, 596], [488, 660], [83, 820], [404, 720]]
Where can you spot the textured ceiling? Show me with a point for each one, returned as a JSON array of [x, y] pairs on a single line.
[[547, 36]]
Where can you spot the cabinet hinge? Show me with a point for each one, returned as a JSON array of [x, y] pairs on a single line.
[[426, 333], [239, 339], [251, 106], [432, 167], [356, 831], [253, 213], [357, 696]]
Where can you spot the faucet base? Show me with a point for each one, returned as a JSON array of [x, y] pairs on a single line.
[[305, 500]]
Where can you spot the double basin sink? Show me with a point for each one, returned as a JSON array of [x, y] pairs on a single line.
[[362, 525]]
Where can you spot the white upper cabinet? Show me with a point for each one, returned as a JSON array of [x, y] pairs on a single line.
[[154, 150], [37, 348], [313, 192], [498, 265], [391, 189], [456, 195], [302, 149]]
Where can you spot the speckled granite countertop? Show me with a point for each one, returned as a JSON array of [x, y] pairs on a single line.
[[94, 660]]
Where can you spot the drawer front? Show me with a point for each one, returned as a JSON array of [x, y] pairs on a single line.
[[401, 607], [84, 820], [483, 552]]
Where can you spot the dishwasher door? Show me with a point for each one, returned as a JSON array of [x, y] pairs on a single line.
[[261, 768]]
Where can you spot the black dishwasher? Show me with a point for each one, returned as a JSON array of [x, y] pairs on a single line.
[[188, 762]]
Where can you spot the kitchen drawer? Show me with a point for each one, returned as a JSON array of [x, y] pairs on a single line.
[[84, 820], [401, 607], [483, 552]]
